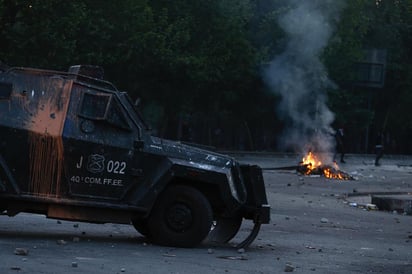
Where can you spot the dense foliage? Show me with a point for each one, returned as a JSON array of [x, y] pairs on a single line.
[[197, 65]]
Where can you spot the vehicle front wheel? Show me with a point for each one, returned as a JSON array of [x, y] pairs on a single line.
[[181, 217]]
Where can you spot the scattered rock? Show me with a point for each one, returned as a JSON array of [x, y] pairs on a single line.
[[59, 222], [289, 267], [241, 250], [76, 239], [324, 220], [76, 225], [21, 251], [74, 264], [122, 270], [390, 249], [61, 242], [210, 251], [16, 268]]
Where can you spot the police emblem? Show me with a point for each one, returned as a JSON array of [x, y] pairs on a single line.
[[95, 163]]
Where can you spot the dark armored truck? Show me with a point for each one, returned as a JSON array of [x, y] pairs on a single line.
[[73, 147]]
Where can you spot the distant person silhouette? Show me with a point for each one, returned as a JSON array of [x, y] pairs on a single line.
[[340, 144], [379, 146]]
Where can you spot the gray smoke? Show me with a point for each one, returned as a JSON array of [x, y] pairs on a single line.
[[300, 78]]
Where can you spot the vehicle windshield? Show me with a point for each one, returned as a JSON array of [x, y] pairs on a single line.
[[131, 105]]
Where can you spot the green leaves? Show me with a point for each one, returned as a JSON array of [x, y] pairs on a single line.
[[205, 57]]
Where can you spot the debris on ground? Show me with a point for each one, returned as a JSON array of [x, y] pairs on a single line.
[[324, 220], [21, 251], [241, 258], [289, 267], [61, 242]]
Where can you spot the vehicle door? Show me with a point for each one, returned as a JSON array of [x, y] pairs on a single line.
[[98, 142]]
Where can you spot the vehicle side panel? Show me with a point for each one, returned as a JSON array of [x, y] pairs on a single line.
[[32, 121]]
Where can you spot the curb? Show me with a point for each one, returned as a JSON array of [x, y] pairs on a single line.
[[399, 202]]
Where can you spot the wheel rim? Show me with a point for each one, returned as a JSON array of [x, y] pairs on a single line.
[[179, 217]]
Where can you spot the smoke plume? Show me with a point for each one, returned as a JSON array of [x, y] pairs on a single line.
[[300, 78]]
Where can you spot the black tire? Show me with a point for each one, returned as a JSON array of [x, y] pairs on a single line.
[[224, 230], [181, 217], [141, 226]]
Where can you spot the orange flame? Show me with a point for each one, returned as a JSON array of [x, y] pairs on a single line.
[[313, 166], [311, 162]]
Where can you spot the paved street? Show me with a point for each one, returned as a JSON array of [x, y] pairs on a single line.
[[315, 228]]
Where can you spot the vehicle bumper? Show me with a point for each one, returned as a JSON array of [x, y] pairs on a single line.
[[256, 207]]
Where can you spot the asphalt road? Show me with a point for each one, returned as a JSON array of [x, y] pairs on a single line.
[[314, 229]]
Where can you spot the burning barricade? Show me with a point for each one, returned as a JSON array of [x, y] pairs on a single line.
[[311, 165]]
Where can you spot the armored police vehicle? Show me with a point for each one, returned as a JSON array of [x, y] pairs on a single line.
[[74, 147]]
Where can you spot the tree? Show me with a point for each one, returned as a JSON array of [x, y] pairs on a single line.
[[198, 63], [29, 41], [366, 25]]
